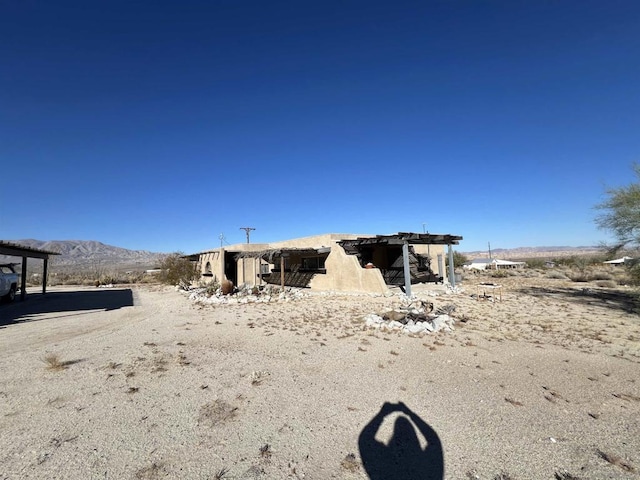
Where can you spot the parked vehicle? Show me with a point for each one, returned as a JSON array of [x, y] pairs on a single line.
[[8, 282]]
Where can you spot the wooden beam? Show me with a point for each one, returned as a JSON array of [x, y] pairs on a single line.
[[282, 273]]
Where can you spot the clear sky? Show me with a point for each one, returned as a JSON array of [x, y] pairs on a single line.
[[159, 125]]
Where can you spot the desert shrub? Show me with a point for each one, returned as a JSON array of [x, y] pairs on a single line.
[[177, 270], [555, 275], [535, 263], [606, 283], [633, 273], [531, 274], [580, 276], [600, 275], [211, 288], [459, 259], [499, 274]]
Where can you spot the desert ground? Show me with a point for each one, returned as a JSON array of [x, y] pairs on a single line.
[[140, 382]]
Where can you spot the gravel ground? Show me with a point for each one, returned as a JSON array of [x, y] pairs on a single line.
[[143, 383]]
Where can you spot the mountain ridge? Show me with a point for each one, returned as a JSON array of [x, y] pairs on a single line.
[[84, 254], [536, 252]]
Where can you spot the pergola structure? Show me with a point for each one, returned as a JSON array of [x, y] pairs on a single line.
[[15, 250], [404, 239], [272, 255]]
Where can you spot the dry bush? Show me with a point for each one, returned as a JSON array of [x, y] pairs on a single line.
[[581, 277], [350, 463], [598, 274], [555, 275], [606, 284], [220, 474], [53, 362]]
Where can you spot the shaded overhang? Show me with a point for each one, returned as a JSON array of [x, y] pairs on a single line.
[[399, 239], [15, 250], [273, 253]]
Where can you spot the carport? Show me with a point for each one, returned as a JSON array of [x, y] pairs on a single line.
[[15, 250]]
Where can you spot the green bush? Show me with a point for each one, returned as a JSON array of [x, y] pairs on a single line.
[[177, 270]]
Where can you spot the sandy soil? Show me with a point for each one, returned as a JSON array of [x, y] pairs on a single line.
[[141, 383]]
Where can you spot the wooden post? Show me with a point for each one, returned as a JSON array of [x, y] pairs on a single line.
[[44, 276], [23, 280], [407, 272], [282, 273]]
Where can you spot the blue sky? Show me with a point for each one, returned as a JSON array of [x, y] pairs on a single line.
[[160, 125]]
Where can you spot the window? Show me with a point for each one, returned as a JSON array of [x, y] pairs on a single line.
[[313, 263]]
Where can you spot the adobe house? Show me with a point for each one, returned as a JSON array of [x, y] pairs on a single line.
[[338, 262]]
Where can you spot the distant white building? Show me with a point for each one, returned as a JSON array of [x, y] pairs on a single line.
[[619, 261], [492, 264]]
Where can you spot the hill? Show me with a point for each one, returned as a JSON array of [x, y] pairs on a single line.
[[83, 255], [536, 252]]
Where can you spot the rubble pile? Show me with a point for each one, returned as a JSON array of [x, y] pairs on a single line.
[[245, 294], [416, 317]]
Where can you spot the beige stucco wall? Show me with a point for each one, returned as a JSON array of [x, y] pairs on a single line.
[[344, 272]]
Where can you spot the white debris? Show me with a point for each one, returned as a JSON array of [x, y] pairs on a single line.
[[423, 324], [246, 294]]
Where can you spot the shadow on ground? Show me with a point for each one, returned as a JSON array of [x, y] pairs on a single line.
[[64, 302], [626, 301], [403, 458]]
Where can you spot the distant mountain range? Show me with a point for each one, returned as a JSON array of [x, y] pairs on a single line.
[[536, 252], [89, 254]]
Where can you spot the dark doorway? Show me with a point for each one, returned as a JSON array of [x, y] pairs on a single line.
[[230, 267]]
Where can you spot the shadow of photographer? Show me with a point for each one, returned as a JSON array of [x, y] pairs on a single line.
[[403, 457]]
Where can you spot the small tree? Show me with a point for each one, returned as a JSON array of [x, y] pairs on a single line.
[[622, 213], [459, 259], [177, 270], [622, 217]]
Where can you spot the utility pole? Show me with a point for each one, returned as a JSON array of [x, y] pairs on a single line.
[[221, 237], [248, 230]]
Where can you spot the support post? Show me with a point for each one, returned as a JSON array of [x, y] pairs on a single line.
[[44, 276], [452, 274], [441, 271], [23, 280], [407, 272], [255, 272], [282, 273]]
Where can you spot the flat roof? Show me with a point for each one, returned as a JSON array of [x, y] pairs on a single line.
[[402, 237], [15, 250]]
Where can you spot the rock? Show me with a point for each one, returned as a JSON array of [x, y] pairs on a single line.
[[394, 315], [393, 325], [415, 328], [442, 322]]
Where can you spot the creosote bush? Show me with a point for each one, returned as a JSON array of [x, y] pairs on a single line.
[[177, 270]]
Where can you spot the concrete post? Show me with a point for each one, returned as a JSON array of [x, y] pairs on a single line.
[[407, 272], [452, 274], [441, 271]]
